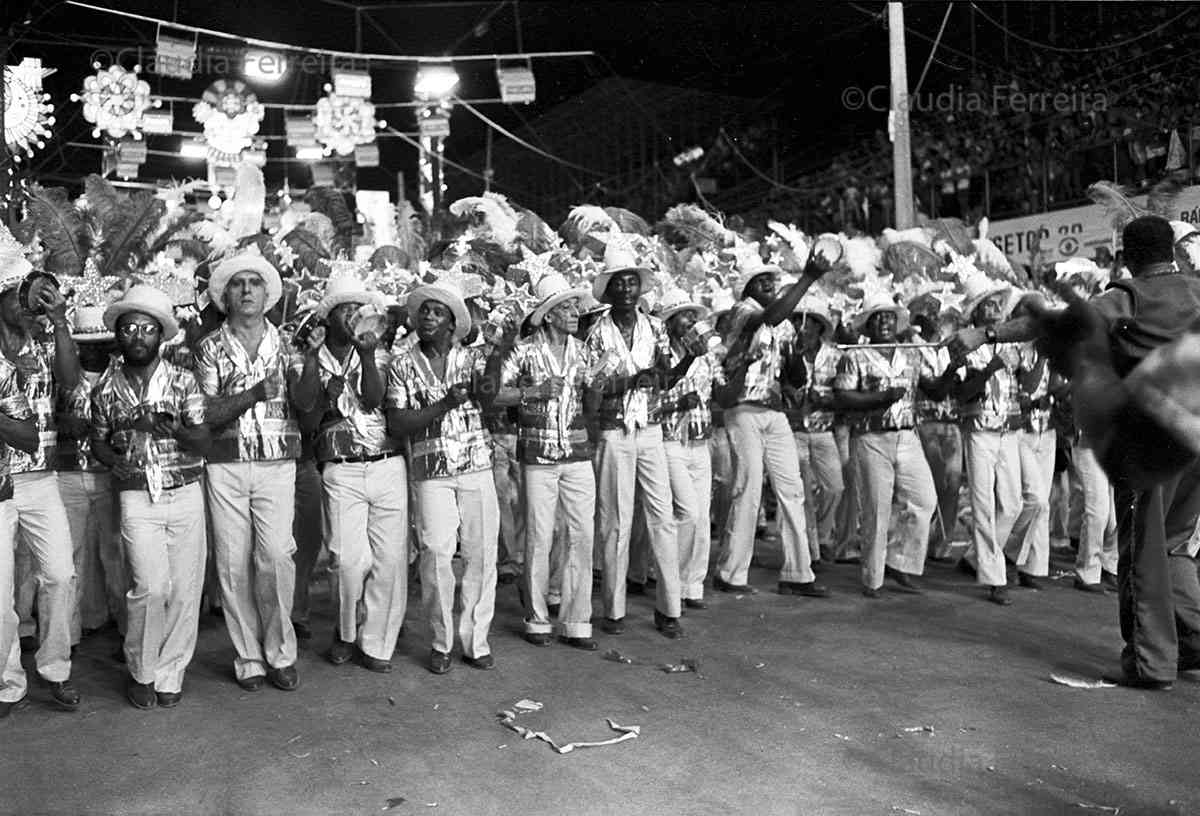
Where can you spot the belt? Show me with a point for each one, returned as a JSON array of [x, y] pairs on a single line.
[[359, 460]]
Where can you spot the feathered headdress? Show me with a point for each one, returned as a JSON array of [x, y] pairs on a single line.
[[690, 226], [489, 217]]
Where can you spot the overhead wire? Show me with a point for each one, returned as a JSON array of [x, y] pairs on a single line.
[[1091, 49], [508, 133]]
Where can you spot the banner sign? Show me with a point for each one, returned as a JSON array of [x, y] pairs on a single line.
[[1076, 232]]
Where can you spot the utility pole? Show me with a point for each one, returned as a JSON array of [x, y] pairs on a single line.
[[898, 124]]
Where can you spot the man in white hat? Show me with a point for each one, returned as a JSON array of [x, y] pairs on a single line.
[[86, 488], [759, 338], [364, 476], [544, 375], [147, 418], [811, 415], [687, 431], [629, 354], [880, 385], [247, 374], [990, 413], [45, 570], [432, 400]]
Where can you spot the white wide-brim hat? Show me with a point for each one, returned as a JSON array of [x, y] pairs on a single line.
[[749, 273], [880, 302], [811, 310], [245, 262], [980, 294], [678, 301], [554, 290], [446, 294], [149, 301], [347, 289], [620, 256]]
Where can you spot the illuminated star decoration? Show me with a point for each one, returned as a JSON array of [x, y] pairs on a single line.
[[343, 122], [231, 115], [114, 100], [28, 114]]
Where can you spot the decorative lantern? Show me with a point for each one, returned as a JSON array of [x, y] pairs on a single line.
[[343, 122], [28, 114], [114, 100], [231, 115]]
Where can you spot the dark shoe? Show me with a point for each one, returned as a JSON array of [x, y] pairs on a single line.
[[868, 592], [1108, 580], [635, 588], [553, 609], [65, 695], [694, 603], [9, 708], [904, 581], [254, 683], [1028, 581], [376, 665], [285, 679], [586, 644], [537, 638], [999, 596], [141, 695], [853, 559], [1085, 587], [809, 589], [1189, 663], [669, 627], [722, 585], [483, 662], [29, 644], [303, 630], [613, 626], [964, 566], [341, 652], [1139, 683], [439, 662], [169, 699], [818, 566]]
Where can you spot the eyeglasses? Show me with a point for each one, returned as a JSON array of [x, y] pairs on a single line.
[[134, 329]]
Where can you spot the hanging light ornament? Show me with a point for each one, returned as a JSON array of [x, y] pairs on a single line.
[[114, 100], [231, 115], [28, 114], [343, 122]]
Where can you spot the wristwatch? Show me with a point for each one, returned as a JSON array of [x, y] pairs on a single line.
[[989, 334]]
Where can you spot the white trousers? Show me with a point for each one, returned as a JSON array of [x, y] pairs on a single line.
[[566, 491], [821, 471], [99, 568], [12, 675], [1029, 543], [366, 527], [689, 466], [506, 470], [164, 544], [459, 510], [45, 570], [629, 461], [1098, 521], [758, 438], [994, 476], [251, 505], [891, 468]]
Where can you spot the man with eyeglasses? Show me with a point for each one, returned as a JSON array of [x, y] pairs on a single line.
[[147, 418], [247, 374]]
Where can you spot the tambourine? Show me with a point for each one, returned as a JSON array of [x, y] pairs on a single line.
[[35, 282], [369, 319]]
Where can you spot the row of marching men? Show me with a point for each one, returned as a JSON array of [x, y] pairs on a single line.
[[613, 412]]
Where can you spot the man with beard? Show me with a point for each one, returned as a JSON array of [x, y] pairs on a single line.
[[365, 481], [45, 570], [247, 374], [431, 401], [148, 428]]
